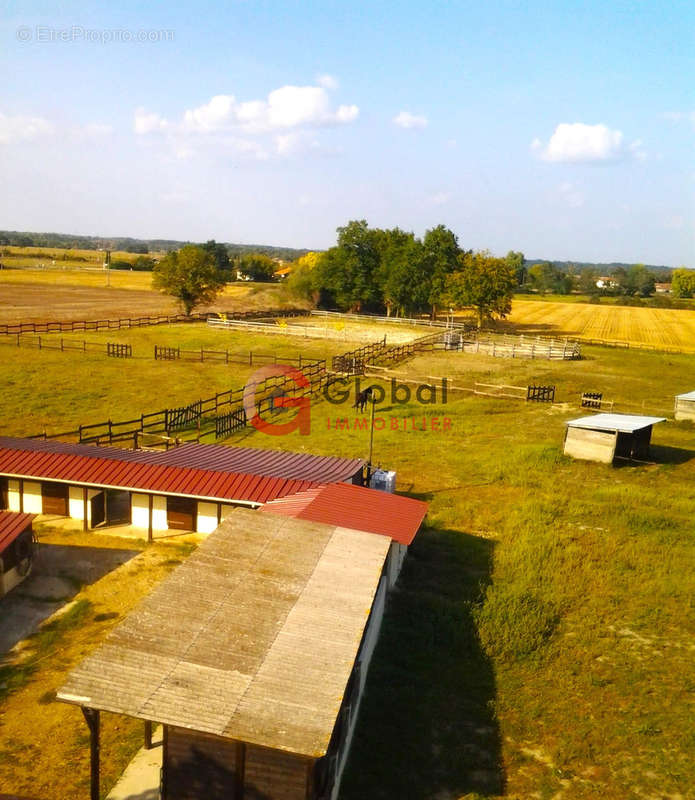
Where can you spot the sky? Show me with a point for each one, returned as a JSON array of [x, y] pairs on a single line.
[[561, 129]]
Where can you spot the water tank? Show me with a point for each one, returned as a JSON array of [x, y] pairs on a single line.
[[384, 480]]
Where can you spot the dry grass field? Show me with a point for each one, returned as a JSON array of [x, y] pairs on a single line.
[[27, 295], [656, 327]]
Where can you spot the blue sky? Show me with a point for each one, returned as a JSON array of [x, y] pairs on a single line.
[[562, 129]]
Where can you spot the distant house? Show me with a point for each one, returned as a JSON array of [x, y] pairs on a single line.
[[283, 273], [606, 282], [662, 288]]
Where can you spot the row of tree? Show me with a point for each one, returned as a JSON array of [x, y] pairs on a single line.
[[373, 269], [544, 277]]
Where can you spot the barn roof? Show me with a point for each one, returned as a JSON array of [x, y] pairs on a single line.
[[263, 649], [624, 423], [11, 525], [214, 472], [355, 507], [686, 396]]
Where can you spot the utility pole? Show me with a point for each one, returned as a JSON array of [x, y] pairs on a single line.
[[107, 267], [371, 440]]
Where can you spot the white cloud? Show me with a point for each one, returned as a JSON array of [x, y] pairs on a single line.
[[577, 142], [404, 119], [148, 122], [21, 129], [327, 81], [286, 108]]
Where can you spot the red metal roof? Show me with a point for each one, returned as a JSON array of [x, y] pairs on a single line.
[[355, 507], [204, 471], [11, 525]]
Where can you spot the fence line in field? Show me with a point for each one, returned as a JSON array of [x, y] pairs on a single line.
[[70, 326]]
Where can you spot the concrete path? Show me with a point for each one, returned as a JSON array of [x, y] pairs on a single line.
[[140, 781]]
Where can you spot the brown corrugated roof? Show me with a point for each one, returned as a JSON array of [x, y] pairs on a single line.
[[214, 472], [11, 525], [252, 638], [355, 507]]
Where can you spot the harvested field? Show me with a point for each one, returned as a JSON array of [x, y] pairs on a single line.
[[40, 296], [652, 327]]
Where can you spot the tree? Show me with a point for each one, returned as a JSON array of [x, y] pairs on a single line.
[[517, 262], [302, 281], [442, 251], [221, 256], [683, 282], [586, 282], [638, 281], [258, 267], [404, 273], [190, 275], [484, 282]]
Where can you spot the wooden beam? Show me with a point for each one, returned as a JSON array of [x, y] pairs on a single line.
[[85, 509], [165, 763], [148, 735], [240, 776], [91, 716], [150, 506]]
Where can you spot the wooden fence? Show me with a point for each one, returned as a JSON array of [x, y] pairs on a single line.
[[138, 322], [353, 362], [376, 318], [541, 394], [63, 345], [169, 420], [508, 346]]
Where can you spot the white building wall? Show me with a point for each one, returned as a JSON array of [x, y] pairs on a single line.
[[369, 641], [13, 494], [10, 579], [76, 503], [207, 517], [140, 511], [397, 554], [33, 504], [159, 513]]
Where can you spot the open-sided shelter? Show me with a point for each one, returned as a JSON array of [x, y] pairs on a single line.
[[685, 406], [252, 655], [607, 437], [16, 549]]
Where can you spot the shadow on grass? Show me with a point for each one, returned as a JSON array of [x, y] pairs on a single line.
[[58, 574], [663, 454], [426, 727]]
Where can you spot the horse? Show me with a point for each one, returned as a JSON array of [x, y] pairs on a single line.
[[362, 398]]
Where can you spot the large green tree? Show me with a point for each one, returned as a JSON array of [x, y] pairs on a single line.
[[683, 282], [190, 275], [258, 267], [442, 251], [404, 273], [221, 255], [484, 282], [517, 262]]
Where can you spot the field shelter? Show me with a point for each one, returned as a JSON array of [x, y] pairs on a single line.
[[685, 406], [610, 437]]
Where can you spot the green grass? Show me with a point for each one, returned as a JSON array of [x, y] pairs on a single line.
[[542, 632]]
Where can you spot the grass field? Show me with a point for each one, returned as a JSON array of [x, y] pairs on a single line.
[[540, 641], [668, 328]]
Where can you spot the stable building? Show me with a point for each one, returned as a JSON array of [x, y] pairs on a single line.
[[361, 509], [607, 437], [257, 680], [685, 406], [188, 488], [16, 549]]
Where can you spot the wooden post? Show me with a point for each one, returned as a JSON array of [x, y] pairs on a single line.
[[150, 505], [85, 509], [91, 716], [148, 735]]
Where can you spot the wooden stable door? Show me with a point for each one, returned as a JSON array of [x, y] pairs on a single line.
[[4, 502], [55, 498], [181, 513]]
